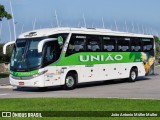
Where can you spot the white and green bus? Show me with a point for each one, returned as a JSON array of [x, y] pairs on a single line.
[[68, 56]]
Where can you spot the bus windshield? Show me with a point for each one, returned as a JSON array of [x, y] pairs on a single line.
[[25, 54]]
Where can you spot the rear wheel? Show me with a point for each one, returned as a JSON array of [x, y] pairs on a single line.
[[133, 75], [70, 81]]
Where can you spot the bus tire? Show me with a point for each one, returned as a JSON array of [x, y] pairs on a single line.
[[133, 75], [17, 88], [70, 81]]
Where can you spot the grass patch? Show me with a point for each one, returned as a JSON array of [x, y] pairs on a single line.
[[4, 75], [80, 104]]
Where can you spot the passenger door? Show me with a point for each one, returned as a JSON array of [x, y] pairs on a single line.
[[51, 55]]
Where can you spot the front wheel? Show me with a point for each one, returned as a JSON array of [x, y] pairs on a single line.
[[70, 82], [133, 75]]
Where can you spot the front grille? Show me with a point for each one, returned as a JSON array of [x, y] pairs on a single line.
[[22, 78]]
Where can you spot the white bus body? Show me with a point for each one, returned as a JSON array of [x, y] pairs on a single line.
[[83, 55]]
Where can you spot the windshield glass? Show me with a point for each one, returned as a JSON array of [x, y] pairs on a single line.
[[33, 58], [25, 54]]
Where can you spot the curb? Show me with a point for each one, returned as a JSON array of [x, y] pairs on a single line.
[[5, 84]]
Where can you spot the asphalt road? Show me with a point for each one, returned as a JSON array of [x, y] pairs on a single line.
[[4, 81], [146, 88]]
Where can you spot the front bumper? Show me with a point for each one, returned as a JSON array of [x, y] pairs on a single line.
[[27, 82]]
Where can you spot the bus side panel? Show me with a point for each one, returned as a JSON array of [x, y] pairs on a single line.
[[109, 71], [89, 73], [64, 70], [57, 75], [93, 73], [113, 71], [148, 60], [52, 77]]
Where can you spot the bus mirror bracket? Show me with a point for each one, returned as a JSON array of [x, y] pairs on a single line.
[[41, 43], [5, 46]]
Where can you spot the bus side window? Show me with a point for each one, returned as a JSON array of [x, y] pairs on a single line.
[[76, 44], [93, 43], [109, 44], [147, 44], [123, 44], [51, 52], [63, 35], [136, 44], [48, 54]]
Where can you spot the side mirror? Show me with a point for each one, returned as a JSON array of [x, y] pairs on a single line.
[[7, 44]]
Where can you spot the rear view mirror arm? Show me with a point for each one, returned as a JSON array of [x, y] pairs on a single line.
[[41, 43], [7, 44]]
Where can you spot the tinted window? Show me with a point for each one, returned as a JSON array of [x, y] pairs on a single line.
[[77, 44], [109, 43], [63, 35], [147, 44], [51, 53], [123, 44], [136, 44], [93, 43], [25, 56]]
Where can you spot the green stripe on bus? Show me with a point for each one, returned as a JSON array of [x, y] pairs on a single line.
[[24, 74], [93, 58]]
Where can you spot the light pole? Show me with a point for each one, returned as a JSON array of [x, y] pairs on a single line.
[[0, 31], [9, 31], [14, 24]]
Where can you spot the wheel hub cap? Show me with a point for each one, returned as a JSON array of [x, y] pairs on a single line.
[[70, 81], [133, 75]]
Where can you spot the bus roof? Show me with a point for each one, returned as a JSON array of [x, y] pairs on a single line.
[[94, 31]]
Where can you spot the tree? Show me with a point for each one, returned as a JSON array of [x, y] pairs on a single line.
[[5, 58], [4, 14], [157, 42]]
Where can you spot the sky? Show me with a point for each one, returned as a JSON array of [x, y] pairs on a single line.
[[138, 16]]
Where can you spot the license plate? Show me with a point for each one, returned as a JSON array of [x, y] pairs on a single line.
[[21, 83]]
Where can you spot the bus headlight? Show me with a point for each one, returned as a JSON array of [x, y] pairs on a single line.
[[40, 73]]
